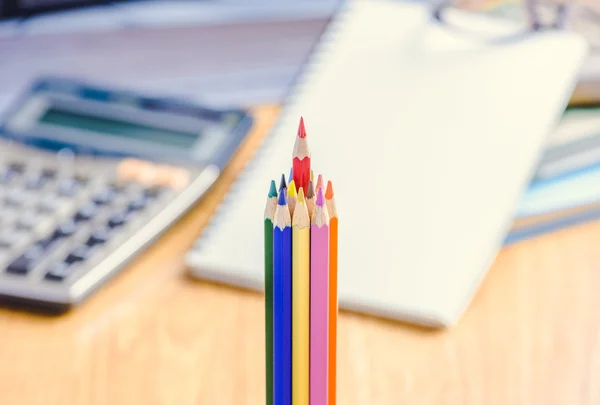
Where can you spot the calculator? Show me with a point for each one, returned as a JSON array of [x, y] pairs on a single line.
[[89, 176]]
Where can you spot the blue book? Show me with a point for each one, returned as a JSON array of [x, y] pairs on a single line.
[[557, 203]]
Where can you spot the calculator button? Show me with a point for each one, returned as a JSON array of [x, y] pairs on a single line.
[[119, 186], [15, 198], [20, 266], [59, 207], [179, 179], [106, 196], [79, 254], [85, 213], [27, 222], [8, 238], [153, 192], [98, 237], [8, 216], [65, 229], [117, 220], [17, 167], [33, 252], [68, 187], [24, 263], [34, 182], [137, 204], [129, 169], [147, 174], [48, 173], [163, 175], [5, 176], [59, 271], [82, 180], [170, 176], [47, 242], [48, 204]]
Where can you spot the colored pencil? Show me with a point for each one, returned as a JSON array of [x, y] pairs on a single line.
[[312, 175], [310, 198], [320, 182], [282, 303], [290, 176], [301, 159], [291, 197], [300, 302], [269, 213], [319, 301], [333, 293]]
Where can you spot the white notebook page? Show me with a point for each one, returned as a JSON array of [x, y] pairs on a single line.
[[429, 139]]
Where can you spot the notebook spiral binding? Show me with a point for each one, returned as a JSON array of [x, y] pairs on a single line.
[[321, 46]]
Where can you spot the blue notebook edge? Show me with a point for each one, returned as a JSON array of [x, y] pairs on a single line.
[[561, 223]]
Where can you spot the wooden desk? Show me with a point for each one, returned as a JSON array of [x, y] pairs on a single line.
[[154, 336]]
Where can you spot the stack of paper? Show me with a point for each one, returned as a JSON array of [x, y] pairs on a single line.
[[566, 188]]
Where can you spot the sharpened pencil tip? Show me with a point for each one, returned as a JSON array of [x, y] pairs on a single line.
[[282, 184], [301, 129], [319, 182], [292, 189], [290, 176], [320, 200], [329, 192], [273, 189], [312, 175], [282, 200], [310, 193], [301, 196]]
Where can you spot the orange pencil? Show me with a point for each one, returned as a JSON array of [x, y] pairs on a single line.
[[333, 293]]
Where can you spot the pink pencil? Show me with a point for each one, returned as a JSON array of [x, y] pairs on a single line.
[[319, 300]]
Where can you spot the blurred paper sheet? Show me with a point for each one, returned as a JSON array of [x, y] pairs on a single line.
[[236, 64]]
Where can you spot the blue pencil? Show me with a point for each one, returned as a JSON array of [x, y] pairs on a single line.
[[282, 303]]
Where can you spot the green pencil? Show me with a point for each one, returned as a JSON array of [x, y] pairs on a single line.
[[269, 212]]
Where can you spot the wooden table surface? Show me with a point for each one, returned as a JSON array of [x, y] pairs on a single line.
[[155, 336]]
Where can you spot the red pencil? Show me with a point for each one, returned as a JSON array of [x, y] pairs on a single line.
[[301, 159]]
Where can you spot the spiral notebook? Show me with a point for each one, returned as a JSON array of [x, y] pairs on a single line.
[[430, 139]]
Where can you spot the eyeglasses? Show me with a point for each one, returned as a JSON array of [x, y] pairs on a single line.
[[529, 16]]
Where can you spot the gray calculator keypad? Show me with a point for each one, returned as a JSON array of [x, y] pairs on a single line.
[[54, 226]]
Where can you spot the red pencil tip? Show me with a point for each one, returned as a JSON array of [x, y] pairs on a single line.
[[301, 130]]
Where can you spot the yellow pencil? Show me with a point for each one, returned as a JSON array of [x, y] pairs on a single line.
[[300, 302], [291, 197]]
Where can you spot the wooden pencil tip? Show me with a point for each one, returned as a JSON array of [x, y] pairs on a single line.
[[320, 200], [320, 182], [273, 189], [329, 192], [292, 189], [301, 129], [301, 196], [282, 200], [310, 193]]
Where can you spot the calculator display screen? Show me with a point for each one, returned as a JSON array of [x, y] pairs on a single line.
[[109, 126]]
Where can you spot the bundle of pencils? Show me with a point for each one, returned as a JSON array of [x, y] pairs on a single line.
[[301, 303]]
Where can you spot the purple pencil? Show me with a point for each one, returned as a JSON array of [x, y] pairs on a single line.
[[319, 301]]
